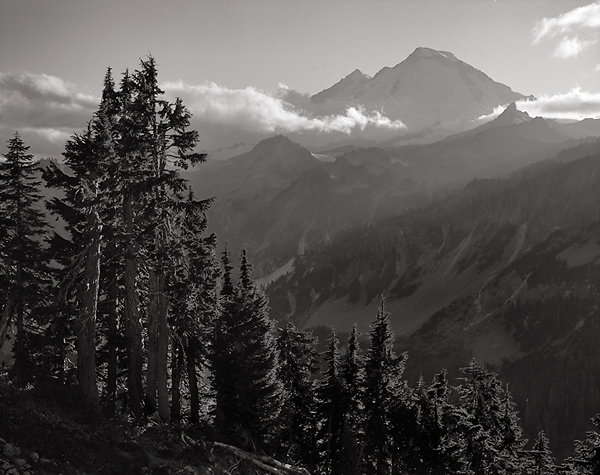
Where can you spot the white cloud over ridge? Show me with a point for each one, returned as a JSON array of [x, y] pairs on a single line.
[[579, 28], [253, 110], [575, 105]]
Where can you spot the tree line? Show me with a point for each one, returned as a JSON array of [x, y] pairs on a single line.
[[131, 304]]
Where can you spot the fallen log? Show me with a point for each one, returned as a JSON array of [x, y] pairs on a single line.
[[269, 464]]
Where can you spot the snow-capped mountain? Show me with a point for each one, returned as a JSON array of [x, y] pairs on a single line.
[[429, 88]]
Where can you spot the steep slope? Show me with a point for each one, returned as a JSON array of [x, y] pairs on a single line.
[[428, 88], [507, 271]]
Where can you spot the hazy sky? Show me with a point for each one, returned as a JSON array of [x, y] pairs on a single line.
[[539, 47], [306, 44]]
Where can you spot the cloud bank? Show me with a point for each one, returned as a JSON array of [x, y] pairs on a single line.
[[252, 110], [575, 104], [578, 29], [45, 109]]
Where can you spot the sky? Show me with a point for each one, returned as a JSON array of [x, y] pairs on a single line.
[[236, 54]]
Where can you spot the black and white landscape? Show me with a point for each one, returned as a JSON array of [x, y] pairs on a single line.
[[206, 269]]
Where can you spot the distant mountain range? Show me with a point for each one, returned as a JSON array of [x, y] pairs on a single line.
[[279, 199]]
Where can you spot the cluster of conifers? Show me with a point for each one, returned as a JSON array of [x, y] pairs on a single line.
[[131, 285]]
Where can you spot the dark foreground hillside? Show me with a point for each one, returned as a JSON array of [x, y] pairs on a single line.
[[45, 430]]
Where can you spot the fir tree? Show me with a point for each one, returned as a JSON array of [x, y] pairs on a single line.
[[297, 368], [249, 393], [353, 377], [383, 370], [492, 435], [25, 270], [424, 425], [331, 394], [163, 140], [541, 460], [586, 458], [195, 302]]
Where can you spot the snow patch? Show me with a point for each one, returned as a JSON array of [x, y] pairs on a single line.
[[277, 273]]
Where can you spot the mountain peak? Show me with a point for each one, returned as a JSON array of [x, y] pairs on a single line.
[[356, 73], [511, 115], [428, 53], [345, 88], [276, 141]]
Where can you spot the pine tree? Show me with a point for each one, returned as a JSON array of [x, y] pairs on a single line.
[[195, 302], [331, 395], [586, 458], [353, 377], [21, 254], [130, 173], [541, 460], [90, 157], [424, 424], [248, 392], [162, 140], [297, 368], [491, 432], [383, 370]]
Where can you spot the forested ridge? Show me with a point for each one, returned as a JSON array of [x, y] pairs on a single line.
[[131, 316]]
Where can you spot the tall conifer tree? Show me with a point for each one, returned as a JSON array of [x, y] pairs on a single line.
[[383, 370], [297, 368], [250, 397], [22, 255]]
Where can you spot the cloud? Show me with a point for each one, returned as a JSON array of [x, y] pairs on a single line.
[[40, 100], [579, 29], [255, 111], [45, 109], [575, 104], [571, 47]]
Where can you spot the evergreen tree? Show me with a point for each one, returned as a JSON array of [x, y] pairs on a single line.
[[297, 368], [383, 371], [24, 265], [493, 442], [163, 140], [195, 303], [424, 425], [353, 377], [331, 395], [248, 391], [541, 460], [586, 458], [88, 209]]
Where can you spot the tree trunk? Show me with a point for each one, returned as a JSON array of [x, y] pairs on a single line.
[[20, 365], [86, 326], [7, 314], [151, 371], [113, 295], [60, 343], [193, 383], [176, 370], [163, 349], [133, 325]]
